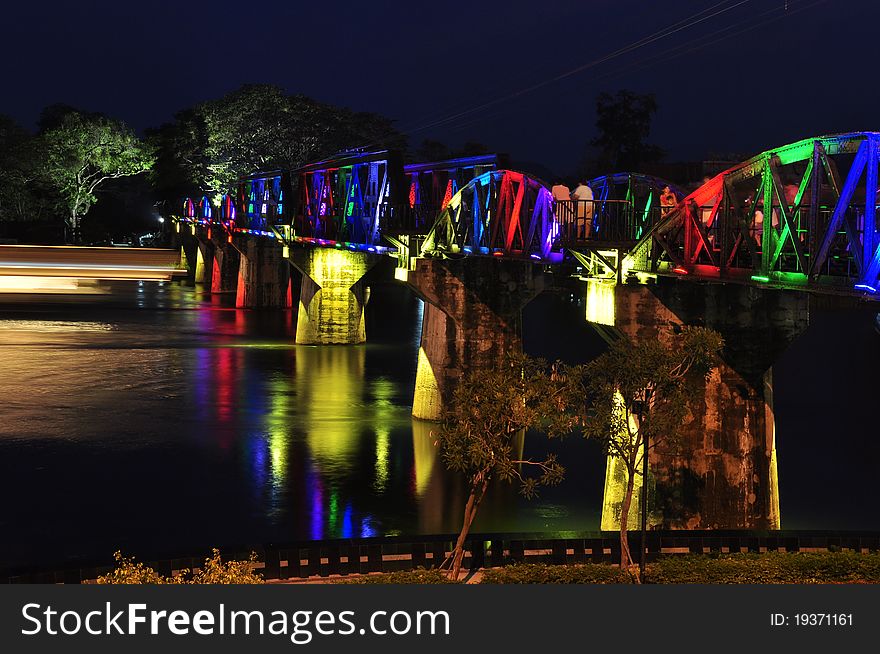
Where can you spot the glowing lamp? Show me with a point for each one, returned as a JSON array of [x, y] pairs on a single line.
[[679, 270], [865, 287], [760, 278]]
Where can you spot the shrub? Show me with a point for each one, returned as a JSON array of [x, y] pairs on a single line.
[[419, 576], [540, 573], [767, 568], [215, 571]]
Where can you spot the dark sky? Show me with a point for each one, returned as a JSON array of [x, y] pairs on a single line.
[[790, 75]]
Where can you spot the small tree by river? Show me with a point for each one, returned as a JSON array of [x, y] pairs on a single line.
[[638, 395], [478, 434]]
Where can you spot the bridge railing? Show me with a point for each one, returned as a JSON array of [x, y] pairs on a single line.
[[406, 219], [744, 238], [617, 221], [392, 219]]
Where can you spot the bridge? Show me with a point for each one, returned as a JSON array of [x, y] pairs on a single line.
[[747, 253]]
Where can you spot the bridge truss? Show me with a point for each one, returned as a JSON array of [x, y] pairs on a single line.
[[501, 212], [802, 216]]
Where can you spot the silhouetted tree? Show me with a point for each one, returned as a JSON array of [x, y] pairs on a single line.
[[430, 150], [472, 149], [23, 196], [624, 124]]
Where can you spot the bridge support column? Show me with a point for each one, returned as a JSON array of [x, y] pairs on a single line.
[[263, 276], [472, 317], [722, 474], [204, 262], [224, 270], [332, 295]]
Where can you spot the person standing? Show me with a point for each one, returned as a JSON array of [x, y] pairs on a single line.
[[667, 200], [563, 209], [582, 196]]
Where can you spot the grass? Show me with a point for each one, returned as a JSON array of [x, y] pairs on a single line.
[[765, 568]]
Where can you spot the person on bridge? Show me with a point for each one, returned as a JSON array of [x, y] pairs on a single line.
[[562, 201], [560, 192], [667, 200], [582, 196]]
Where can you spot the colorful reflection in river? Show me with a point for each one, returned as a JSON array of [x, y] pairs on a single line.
[[314, 431], [160, 419]]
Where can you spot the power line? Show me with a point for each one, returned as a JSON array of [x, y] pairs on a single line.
[[695, 19]]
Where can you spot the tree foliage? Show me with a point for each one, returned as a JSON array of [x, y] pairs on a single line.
[[214, 571], [82, 153], [624, 124], [489, 409], [639, 391], [257, 127], [23, 196]]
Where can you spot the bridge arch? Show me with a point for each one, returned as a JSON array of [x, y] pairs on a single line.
[[501, 212], [624, 206], [801, 215]]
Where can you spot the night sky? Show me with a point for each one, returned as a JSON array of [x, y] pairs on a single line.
[[749, 78]]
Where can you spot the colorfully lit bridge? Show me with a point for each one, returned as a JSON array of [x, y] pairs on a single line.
[[745, 254]]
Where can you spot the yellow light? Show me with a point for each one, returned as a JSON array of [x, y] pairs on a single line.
[[424, 453], [625, 266], [600, 302], [285, 252], [401, 274], [382, 447], [616, 478], [29, 284], [277, 424], [426, 399], [329, 384]]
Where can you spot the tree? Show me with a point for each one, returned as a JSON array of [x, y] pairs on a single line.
[[638, 395], [82, 153], [430, 150], [489, 408], [19, 171], [257, 127], [624, 123]]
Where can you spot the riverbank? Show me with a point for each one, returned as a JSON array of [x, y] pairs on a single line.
[[766, 568]]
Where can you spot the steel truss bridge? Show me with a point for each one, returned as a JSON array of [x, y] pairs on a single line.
[[800, 216]]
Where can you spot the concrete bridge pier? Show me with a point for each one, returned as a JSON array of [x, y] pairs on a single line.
[[204, 265], [332, 294], [723, 473], [263, 276], [224, 269], [472, 316]]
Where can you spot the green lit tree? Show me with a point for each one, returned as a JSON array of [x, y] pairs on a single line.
[[638, 394], [489, 409], [210, 146], [82, 152]]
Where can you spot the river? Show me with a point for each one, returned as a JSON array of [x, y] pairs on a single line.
[[156, 419]]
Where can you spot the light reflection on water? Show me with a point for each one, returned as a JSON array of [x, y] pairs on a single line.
[[189, 424]]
